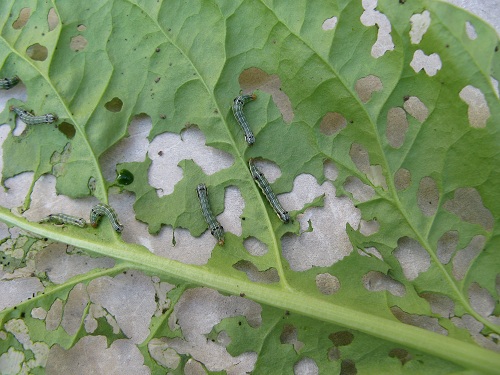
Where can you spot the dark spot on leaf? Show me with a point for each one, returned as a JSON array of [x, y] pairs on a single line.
[[406, 97], [402, 1], [23, 314], [341, 338], [400, 354], [242, 294], [157, 79], [114, 105], [67, 129], [157, 50], [239, 323], [163, 117], [37, 52], [348, 367]]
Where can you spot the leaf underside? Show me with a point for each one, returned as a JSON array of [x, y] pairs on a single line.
[[397, 228]]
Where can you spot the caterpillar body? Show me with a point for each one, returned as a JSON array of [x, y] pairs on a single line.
[[30, 119], [61, 219], [215, 228], [101, 209], [261, 180], [238, 104], [8, 83]]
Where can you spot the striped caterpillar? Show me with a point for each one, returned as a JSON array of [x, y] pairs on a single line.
[[30, 119], [102, 209], [215, 228], [8, 83], [238, 104], [61, 219], [261, 180]]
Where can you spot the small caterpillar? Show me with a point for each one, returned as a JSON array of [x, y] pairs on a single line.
[[61, 219], [215, 228], [102, 209], [261, 180], [8, 83], [238, 104], [30, 119]]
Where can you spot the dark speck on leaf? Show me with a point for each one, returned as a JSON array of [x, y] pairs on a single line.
[[496, 49], [239, 323], [242, 294], [157, 50], [406, 97], [125, 177], [163, 117]]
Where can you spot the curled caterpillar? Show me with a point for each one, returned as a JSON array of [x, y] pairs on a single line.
[[238, 104], [30, 119], [61, 219], [261, 180], [102, 209], [215, 228], [8, 83]]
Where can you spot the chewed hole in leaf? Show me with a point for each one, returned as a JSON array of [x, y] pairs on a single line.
[[468, 205], [327, 283], [431, 64], [428, 196], [470, 30], [22, 19], [367, 228], [366, 86], [190, 146], [253, 79], [397, 125], [230, 218], [52, 19], [163, 354], [306, 366], [54, 315], [341, 338], [332, 123], [289, 336], [359, 190], [416, 108], [268, 276], [422, 321], [447, 245], [328, 242], [478, 112], [39, 313], [376, 281], [401, 354], [114, 105], [359, 156], [255, 247], [329, 23], [67, 129], [412, 257], [78, 43], [370, 251], [76, 359], [74, 309], [402, 179], [464, 257], [419, 25], [81, 27], [494, 82], [37, 52], [372, 17], [481, 300], [440, 304]]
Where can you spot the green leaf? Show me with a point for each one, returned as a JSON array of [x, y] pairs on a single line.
[[382, 144]]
